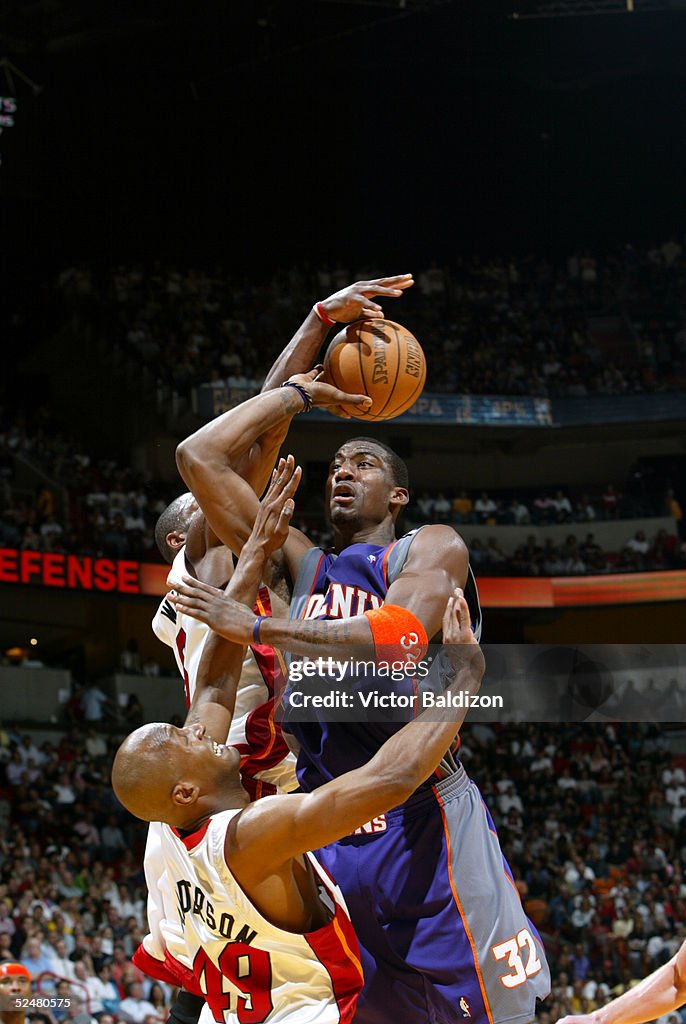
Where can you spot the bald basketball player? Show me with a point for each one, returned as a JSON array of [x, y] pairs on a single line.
[[250, 919]]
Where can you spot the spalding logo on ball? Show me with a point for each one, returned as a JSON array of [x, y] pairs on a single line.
[[378, 358]]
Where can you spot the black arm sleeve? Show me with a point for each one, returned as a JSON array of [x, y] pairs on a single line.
[[186, 1009]]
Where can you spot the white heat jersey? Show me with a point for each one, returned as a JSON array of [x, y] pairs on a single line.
[[267, 765], [207, 937]]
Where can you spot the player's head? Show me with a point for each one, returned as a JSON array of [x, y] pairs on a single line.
[[172, 525], [367, 482], [15, 983], [165, 773]]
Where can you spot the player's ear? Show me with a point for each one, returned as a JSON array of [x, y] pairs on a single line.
[[185, 793], [176, 539], [400, 496]]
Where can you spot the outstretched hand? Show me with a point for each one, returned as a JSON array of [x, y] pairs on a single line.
[[229, 618], [272, 521], [326, 396], [457, 630], [356, 301]]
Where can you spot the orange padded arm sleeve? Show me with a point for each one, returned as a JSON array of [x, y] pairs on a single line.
[[397, 633]]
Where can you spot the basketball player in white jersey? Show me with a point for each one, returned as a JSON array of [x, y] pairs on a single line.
[[249, 920], [193, 541]]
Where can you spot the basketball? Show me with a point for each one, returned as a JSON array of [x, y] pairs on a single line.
[[378, 358]]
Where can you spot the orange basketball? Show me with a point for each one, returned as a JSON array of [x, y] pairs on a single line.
[[378, 358]]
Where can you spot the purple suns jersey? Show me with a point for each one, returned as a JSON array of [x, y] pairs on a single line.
[[332, 586]]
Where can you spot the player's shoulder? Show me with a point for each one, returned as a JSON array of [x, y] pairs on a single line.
[[435, 542]]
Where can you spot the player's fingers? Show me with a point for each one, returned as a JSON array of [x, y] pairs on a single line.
[[364, 401], [380, 290], [367, 297], [371, 313], [292, 484], [285, 470], [450, 627], [396, 281], [463, 612], [288, 509], [192, 586]]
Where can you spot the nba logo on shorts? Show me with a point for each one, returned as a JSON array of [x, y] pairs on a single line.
[[371, 559], [464, 1006]]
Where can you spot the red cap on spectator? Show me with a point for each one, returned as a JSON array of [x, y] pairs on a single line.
[[13, 968]]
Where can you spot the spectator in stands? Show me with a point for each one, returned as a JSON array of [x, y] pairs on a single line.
[[95, 744], [123, 970], [96, 704], [478, 556], [638, 548], [133, 712], [112, 841], [519, 513], [63, 994], [15, 769], [610, 499], [130, 659], [77, 1012], [484, 509], [160, 999], [495, 556], [60, 961], [675, 510], [442, 508], [543, 509], [35, 959], [425, 504], [562, 507], [585, 510], [463, 508], [134, 1008], [103, 992]]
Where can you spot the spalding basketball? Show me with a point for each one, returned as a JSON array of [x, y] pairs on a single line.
[[378, 358]]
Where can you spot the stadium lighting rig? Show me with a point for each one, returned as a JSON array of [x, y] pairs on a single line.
[[11, 71], [586, 8], [392, 5]]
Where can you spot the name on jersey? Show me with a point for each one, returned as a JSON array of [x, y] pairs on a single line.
[[192, 900], [341, 601]]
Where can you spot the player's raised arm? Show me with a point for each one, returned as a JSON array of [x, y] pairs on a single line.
[[208, 459], [221, 661], [308, 821], [661, 992], [355, 302], [246, 445]]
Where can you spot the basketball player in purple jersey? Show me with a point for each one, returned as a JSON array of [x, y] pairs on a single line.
[[194, 536], [442, 931]]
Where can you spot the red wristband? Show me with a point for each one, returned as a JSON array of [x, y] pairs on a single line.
[[318, 308]]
